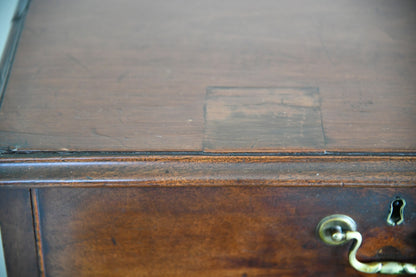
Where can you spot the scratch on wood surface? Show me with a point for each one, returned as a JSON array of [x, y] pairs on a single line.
[[120, 141], [77, 61], [122, 76], [325, 49]]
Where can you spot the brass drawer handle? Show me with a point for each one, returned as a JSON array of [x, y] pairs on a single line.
[[339, 229]]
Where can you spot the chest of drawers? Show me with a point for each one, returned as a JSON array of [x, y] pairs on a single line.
[[208, 138]]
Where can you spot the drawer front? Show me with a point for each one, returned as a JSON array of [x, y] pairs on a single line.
[[215, 231], [17, 233]]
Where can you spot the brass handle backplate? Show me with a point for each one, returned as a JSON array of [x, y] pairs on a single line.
[[339, 229]]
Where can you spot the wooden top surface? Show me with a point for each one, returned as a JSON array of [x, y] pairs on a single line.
[[212, 76]]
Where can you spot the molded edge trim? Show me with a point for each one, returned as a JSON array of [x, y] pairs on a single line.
[[208, 170]]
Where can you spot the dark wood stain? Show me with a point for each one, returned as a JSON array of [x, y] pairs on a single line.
[[266, 117], [17, 232], [211, 215], [185, 170], [207, 231], [140, 84]]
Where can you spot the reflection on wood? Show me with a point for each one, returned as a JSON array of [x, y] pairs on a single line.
[[91, 75]]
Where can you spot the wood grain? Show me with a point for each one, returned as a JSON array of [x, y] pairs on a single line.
[[263, 119], [215, 231], [17, 232], [91, 75], [185, 170]]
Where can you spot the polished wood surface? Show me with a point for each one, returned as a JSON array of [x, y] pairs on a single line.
[[207, 138], [153, 215], [92, 75], [17, 232], [215, 231], [154, 170]]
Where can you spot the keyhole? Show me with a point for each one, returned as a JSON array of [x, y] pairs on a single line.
[[395, 216]]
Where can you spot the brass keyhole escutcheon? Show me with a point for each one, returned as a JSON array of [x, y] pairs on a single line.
[[396, 213]]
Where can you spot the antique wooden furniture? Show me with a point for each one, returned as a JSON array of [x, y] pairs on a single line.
[[209, 138]]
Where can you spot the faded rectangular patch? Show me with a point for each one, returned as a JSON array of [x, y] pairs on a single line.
[[263, 119]]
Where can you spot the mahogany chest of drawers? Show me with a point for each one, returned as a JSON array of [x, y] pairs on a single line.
[[210, 138]]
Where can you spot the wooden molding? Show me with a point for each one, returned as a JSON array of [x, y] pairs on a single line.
[[191, 170]]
